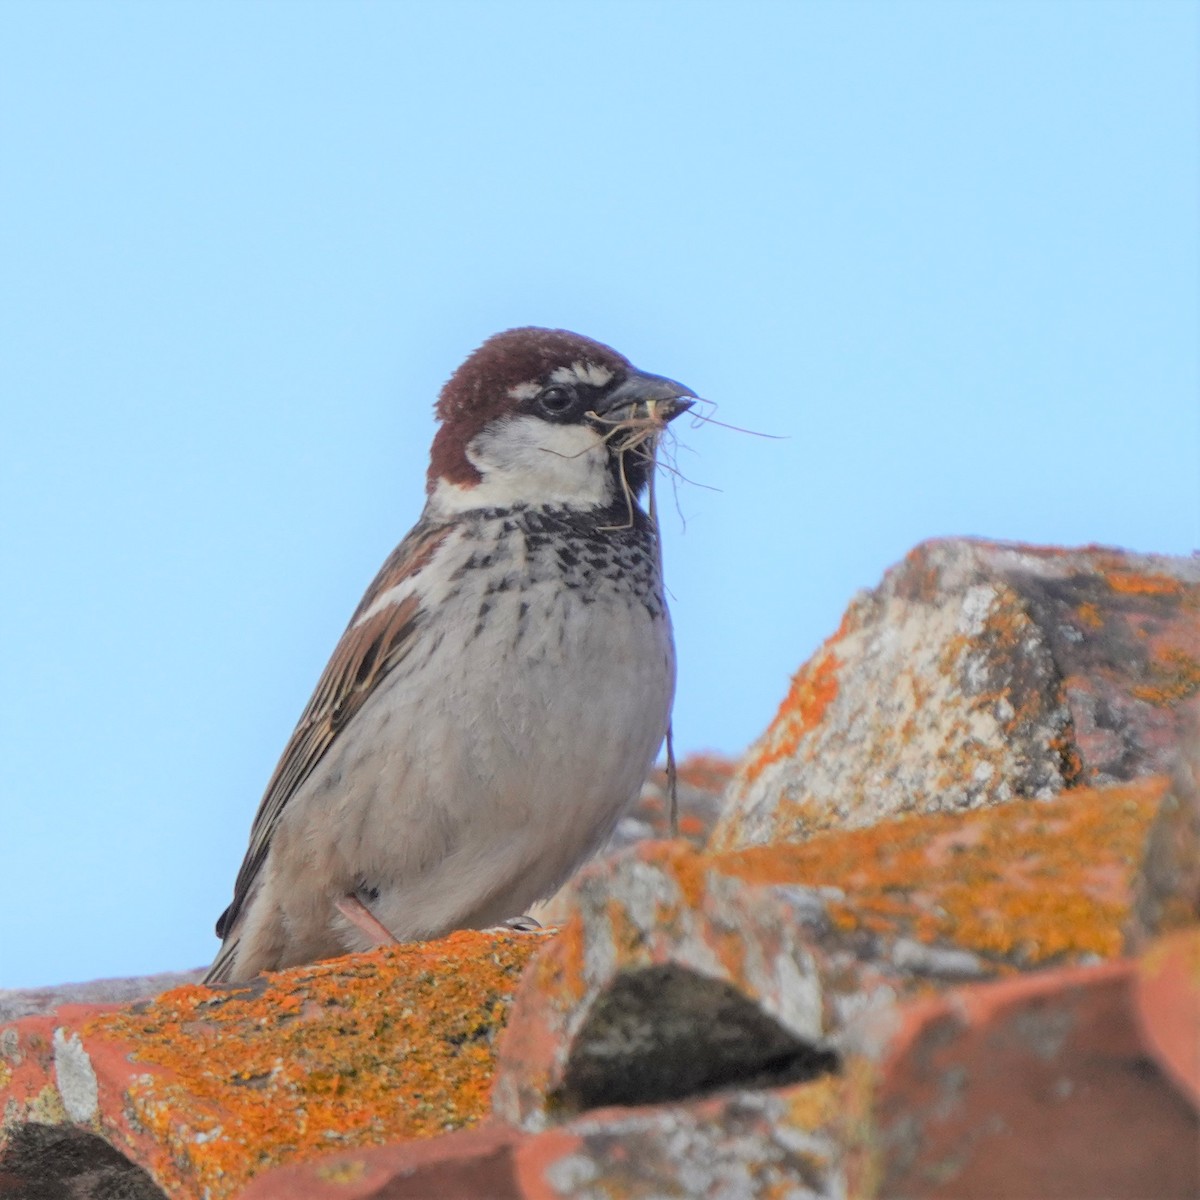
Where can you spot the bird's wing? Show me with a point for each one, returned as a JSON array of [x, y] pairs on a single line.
[[378, 637]]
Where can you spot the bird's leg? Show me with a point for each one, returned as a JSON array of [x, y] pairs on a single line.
[[361, 917]]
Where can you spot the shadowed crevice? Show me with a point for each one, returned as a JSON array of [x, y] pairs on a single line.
[[666, 1033], [60, 1162]]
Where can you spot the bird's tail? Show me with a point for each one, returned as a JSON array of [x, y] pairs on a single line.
[[222, 966]]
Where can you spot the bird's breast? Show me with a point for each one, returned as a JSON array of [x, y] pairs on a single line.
[[524, 720]]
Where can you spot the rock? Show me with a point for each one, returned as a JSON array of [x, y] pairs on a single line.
[[1048, 1085], [1043, 1086], [60, 1162], [701, 780], [1167, 888], [680, 973], [668, 982], [977, 673], [205, 1087], [1167, 1001], [460, 1166], [27, 1002], [740, 1146], [1018, 886]]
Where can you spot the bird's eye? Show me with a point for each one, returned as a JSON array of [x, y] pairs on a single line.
[[556, 400]]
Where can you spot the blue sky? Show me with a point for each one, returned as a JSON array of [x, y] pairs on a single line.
[[947, 251]]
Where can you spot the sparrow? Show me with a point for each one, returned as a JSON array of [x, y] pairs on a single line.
[[502, 690]]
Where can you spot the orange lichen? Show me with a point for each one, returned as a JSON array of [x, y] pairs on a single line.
[[395, 1044], [851, 622], [1070, 764], [1132, 583], [800, 818], [565, 966], [626, 936], [1024, 883], [1179, 950], [815, 1105], [708, 772], [1176, 676], [690, 870], [1089, 615], [813, 688]]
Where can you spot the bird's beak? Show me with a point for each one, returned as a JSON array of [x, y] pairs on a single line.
[[643, 395]]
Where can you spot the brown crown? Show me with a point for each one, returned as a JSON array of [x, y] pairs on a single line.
[[478, 392]]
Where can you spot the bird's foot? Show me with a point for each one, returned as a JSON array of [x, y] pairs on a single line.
[[361, 917]]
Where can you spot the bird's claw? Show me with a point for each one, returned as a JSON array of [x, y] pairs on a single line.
[[523, 924]]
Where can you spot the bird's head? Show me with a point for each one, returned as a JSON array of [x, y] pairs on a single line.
[[544, 416]]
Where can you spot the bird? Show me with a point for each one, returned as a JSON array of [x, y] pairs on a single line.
[[503, 688]]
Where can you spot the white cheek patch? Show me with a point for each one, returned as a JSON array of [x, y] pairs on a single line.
[[589, 373], [525, 460]]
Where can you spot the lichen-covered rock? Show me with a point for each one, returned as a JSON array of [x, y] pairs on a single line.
[[63, 1162], [27, 1002], [670, 980], [739, 1146], [680, 973], [1167, 1001], [1017, 886], [1047, 1085], [1167, 888], [700, 789], [1069, 1083], [471, 1165], [978, 672], [205, 1087]]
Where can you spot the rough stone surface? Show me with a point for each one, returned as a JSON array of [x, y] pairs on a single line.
[[742, 1145], [701, 781], [680, 972], [460, 1166], [57, 1162], [1167, 889], [739, 1146], [669, 981], [1016, 886], [1167, 1002], [28, 1002], [976, 673], [1051, 1086], [205, 1087], [1041, 1086]]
